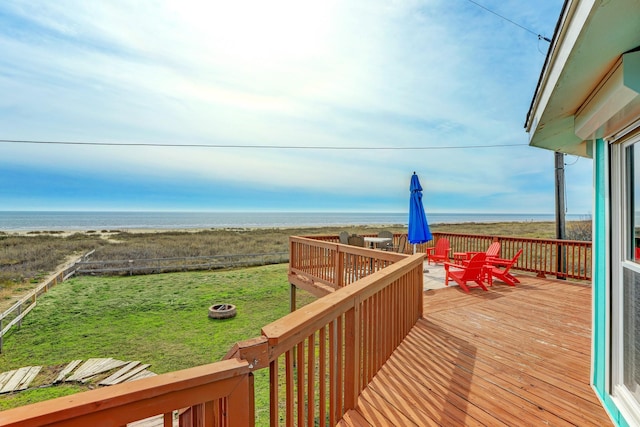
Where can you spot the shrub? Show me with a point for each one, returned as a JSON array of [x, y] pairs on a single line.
[[579, 230]]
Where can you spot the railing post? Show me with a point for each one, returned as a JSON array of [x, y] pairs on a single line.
[[292, 297], [339, 268], [241, 406], [561, 262], [352, 357]]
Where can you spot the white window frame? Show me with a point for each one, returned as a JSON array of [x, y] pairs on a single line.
[[626, 402]]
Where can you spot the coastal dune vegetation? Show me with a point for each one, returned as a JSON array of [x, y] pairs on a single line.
[[26, 258]]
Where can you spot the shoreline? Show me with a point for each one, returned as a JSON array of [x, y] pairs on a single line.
[[106, 232], [149, 230], [56, 222]]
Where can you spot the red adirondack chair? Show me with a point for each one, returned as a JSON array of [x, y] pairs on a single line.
[[474, 271], [493, 251], [499, 268], [440, 252]]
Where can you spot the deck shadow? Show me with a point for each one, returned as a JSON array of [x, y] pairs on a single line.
[[428, 377]]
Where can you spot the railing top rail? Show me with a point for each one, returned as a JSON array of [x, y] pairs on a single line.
[[316, 242], [301, 323], [20, 302], [515, 238], [476, 236], [121, 395]]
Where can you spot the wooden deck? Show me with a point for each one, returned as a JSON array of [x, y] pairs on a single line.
[[510, 356]]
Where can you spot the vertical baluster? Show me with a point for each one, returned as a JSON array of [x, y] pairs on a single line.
[[167, 419], [339, 369], [367, 343], [377, 321], [289, 411], [395, 306], [385, 322], [333, 373], [209, 414], [311, 373], [300, 382], [322, 377], [273, 393], [352, 351], [240, 410]]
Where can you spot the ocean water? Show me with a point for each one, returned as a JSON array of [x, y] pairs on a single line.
[[65, 221]]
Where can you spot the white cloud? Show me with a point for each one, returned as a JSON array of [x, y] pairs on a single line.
[[370, 74]]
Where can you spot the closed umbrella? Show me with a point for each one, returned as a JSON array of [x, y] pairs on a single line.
[[418, 227]]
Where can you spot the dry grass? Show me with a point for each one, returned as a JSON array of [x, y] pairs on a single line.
[[25, 259]]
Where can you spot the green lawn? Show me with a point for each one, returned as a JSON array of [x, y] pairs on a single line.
[[158, 319]]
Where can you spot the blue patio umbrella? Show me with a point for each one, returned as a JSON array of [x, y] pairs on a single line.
[[418, 227]]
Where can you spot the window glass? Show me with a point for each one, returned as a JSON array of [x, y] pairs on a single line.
[[630, 292], [631, 340], [633, 202]]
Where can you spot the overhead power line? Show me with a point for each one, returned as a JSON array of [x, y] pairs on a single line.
[[540, 36], [267, 147]]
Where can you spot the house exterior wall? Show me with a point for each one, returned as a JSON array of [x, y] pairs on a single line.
[[601, 281], [588, 103]]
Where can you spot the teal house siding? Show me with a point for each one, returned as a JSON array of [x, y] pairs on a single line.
[[601, 324], [600, 270]]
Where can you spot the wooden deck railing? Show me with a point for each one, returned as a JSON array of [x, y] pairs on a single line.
[[222, 394], [570, 259], [319, 358], [322, 357], [332, 264]]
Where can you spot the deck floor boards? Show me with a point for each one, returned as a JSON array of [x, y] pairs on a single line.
[[511, 356]]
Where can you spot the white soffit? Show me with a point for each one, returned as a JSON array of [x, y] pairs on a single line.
[[611, 97]]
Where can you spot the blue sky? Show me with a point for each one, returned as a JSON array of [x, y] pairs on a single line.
[[364, 75]]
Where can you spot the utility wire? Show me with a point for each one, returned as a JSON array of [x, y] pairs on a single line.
[[574, 162], [269, 147], [540, 36]]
